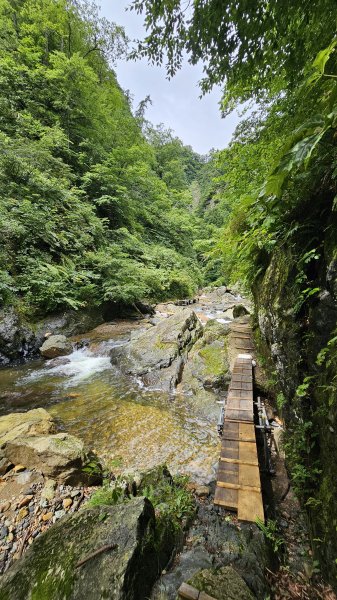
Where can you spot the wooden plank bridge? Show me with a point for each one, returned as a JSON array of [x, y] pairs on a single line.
[[238, 480]]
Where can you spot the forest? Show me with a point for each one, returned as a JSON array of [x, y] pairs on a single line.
[[99, 206], [96, 203]]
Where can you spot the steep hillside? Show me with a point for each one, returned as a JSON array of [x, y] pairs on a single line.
[[91, 211]]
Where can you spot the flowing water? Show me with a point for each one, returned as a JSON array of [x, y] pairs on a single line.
[[131, 427]]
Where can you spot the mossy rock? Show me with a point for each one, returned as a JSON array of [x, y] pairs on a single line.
[[240, 310], [222, 584], [49, 570]]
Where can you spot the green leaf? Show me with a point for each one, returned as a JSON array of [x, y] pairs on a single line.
[[323, 57]]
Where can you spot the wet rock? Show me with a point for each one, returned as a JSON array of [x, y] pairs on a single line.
[[32, 422], [240, 310], [15, 337], [57, 362], [157, 355], [223, 584], [125, 572], [56, 345], [61, 456]]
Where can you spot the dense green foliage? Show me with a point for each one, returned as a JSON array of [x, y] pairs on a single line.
[[257, 48], [92, 210]]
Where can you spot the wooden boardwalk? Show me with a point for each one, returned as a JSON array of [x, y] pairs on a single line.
[[238, 480]]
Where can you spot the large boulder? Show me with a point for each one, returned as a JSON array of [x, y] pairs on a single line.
[[157, 355], [51, 568], [56, 345], [32, 422], [207, 368], [61, 456]]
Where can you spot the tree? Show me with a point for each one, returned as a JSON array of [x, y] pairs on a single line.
[[253, 49]]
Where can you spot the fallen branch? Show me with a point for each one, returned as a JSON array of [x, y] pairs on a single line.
[[96, 553], [25, 537]]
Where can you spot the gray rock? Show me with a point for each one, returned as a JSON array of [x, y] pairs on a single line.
[[3, 532], [56, 345], [15, 338], [62, 457], [223, 584], [157, 355], [48, 569], [59, 514], [207, 368]]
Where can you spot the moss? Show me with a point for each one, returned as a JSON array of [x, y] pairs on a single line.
[[221, 583], [214, 360]]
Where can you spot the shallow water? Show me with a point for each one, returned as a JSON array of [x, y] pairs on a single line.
[[130, 427]]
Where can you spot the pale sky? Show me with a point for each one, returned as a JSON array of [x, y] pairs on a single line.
[[176, 102]]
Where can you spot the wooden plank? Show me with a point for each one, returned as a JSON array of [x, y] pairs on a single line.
[[229, 445], [250, 506], [241, 377], [231, 428], [229, 453], [237, 486], [240, 401], [240, 394], [229, 450], [239, 415], [231, 420], [246, 387], [238, 461], [226, 498], [249, 476], [247, 431], [227, 477], [247, 452], [188, 592], [239, 407], [204, 596]]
